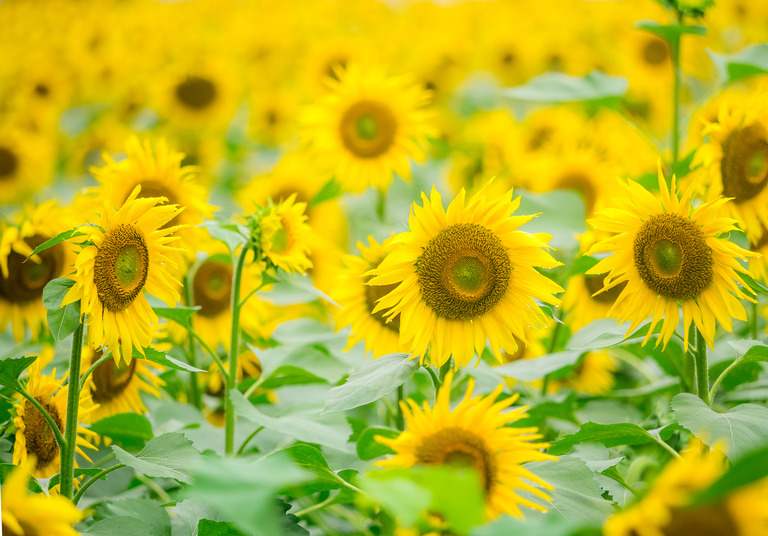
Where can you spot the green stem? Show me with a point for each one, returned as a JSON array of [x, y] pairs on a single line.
[[95, 478], [444, 370], [47, 416], [675, 45], [313, 507], [435, 380], [194, 386], [92, 368], [108, 458], [234, 346], [213, 354], [700, 359], [248, 440], [753, 321], [551, 350], [722, 376], [73, 407], [154, 486], [381, 205], [666, 447], [400, 418]]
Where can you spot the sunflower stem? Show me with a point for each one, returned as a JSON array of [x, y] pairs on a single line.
[[194, 386], [248, 440], [700, 360], [234, 346], [719, 380], [675, 44], [381, 205], [400, 418], [753, 321], [213, 354], [73, 407], [92, 368], [95, 478], [435, 379]]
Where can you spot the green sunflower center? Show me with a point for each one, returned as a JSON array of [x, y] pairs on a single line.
[[594, 283], [213, 287], [26, 280], [38, 434], [464, 271], [280, 240], [9, 163], [673, 258], [709, 520], [372, 295], [121, 267], [655, 51], [110, 380], [744, 166], [459, 447], [196, 92], [368, 128]]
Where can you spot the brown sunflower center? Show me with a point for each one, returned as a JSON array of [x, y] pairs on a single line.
[[464, 271], [213, 287], [744, 166], [9, 163], [38, 433], [155, 188], [42, 90], [372, 295], [708, 520], [196, 92], [121, 266], [672, 256], [655, 51], [594, 283], [457, 446], [580, 181], [110, 380], [368, 128], [26, 280]]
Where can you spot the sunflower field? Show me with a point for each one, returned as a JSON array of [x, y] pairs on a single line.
[[384, 268]]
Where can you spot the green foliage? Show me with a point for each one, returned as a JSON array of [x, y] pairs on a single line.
[[61, 237], [11, 369], [164, 359], [535, 369], [610, 435], [62, 321], [367, 446], [744, 471], [558, 87], [129, 429], [180, 314], [748, 62], [166, 456]]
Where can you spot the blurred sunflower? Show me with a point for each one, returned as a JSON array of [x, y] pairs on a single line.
[[358, 300], [26, 163], [464, 276], [22, 283], [668, 253], [34, 437], [667, 508], [368, 127], [125, 255], [30, 514], [285, 237], [593, 375], [474, 434]]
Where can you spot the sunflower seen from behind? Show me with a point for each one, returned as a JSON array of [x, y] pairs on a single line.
[[474, 434], [464, 276], [367, 127], [128, 253], [668, 256]]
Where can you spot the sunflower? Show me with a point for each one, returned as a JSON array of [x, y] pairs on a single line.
[[26, 163], [160, 174], [358, 300], [666, 509], [583, 302], [127, 254], [27, 514], [464, 276], [22, 283], [34, 437], [474, 434], [368, 127], [667, 253], [116, 387], [593, 375], [734, 160], [285, 237]]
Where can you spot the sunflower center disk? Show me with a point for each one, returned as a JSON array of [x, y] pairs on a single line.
[[464, 271], [196, 92], [120, 267], [712, 520], [110, 380], [459, 447], [655, 52], [9, 162], [372, 295], [213, 288], [673, 258], [368, 128], [38, 434], [26, 279], [280, 241], [744, 166]]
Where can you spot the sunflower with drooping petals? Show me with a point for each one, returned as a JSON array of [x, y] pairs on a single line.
[[357, 300], [34, 437], [668, 509], [474, 434], [30, 514], [285, 237], [466, 276], [368, 127], [127, 254], [22, 283], [668, 255]]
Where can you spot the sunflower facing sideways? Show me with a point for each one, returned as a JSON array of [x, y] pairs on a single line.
[[285, 236], [474, 434], [368, 127], [125, 255], [464, 276], [667, 253]]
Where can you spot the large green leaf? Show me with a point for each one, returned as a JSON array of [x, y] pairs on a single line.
[[129, 429], [740, 429], [61, 237], [610, 435], [367, 446], [371, 382], [145, 510], [603, 333], [168, 456], [310, 458], [119, 526], [55, 290], [534, 369], [750, 61], [179, 314], [559, 87], [11, 369], [64, 321], [164, 359]]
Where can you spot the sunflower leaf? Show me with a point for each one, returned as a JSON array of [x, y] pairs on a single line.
[[559, 87], [534, 369], [61, 237], [11, 369], [90, 471], [310, 458], [330, 190], [180, 314], [610, 435], [367, 446], [371, 382], [129, 429], [756, 286], [162, 358], [55, 290], [119, 526], [63, 322], [750, 61], [670, 32], [167, 456]]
